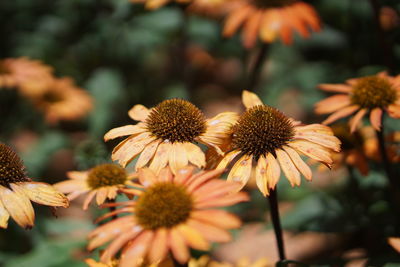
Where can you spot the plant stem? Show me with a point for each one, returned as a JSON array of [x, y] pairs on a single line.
[[386, 45], [178, 264], [255, 71], [273, 202]]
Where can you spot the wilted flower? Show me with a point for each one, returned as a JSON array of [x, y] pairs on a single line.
[[167, 133], [265, 137], [17, 191], [172, 213], [270, 20]]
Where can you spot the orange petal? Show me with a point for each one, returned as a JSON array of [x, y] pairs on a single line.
[[376, 118], [134, 253], [139, 113], [341, 114], [313, 151], [147, 177], [261, 175], [251, 29], [299, 163], [273, 171], [193, 237], [332, 104], [69, 186], [394, 111], [159, 247], [395, 243], [18, 206], [328, 141], [241, 171], [88, 199], [227, 159], [288, 167], [336, 88], [210, 232], [75, 175], [235, 20], [356, 119], [250, 99], [126, 151], [124, 131], [178, 246], [218, 218]]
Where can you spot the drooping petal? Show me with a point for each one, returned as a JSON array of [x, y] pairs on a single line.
[[250, 99], [210, 232], [288, 167], [42, 193], [70, 186], [193, 237], [328, 141], [159, 247], [4, 216], [227, 159], [235, 20], [332, 104], [218, 218], [161, 157], [130, 148], [88, 199], [195, 155], [178, 246], [147, 154], [124, 131], [313, 151], [134, 253], [241, 171], [251, 29], [356, 119], [18, 206], [273, 171], [337, 88], [299, 163], [341, 114], [261, 175], [76, 175], [139, 113], [177, 157], [376, 118]]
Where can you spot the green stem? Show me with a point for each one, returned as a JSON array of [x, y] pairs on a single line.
[[255, 72], [273, 203]]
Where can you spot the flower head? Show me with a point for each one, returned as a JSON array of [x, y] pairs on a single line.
[[102, 181], [265, 137], [172, 213], [60, 99], [166, 135], [270, 20], [17, 190], [372, 94], [23, 73]]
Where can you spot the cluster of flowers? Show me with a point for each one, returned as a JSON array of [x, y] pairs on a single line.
[[57, 98]]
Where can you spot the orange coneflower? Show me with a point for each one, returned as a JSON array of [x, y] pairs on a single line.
[[211, 8], [167, 133], [205, 261], [271, 19], [60, 99], [115, 262], [154, 4], [23, 72], [372, 94], [102, 181], [17, 191], [265, 137], [172, 213]]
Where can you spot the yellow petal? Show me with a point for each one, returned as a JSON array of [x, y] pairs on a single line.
[[177, 157], [250, 99], [147, 154], [124, 131], [299, 163], [18, 206], [195, 155], [4, 216], [273, 171], [42, 193], [227, 159], [126, 151], [241, 171], [261, 175], [288, 167], [178, 246], [193, 237], [159, 247], [161, 157], [139, 113]]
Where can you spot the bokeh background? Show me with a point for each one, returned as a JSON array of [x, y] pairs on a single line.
[[122, 55]]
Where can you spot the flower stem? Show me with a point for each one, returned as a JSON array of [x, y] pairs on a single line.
[[255, 71], [386, 45], [273, 203]]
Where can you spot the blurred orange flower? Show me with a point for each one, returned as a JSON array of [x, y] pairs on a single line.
[[115, 263], [17, 191], [205, 261], [60, 99], [23, 72], [172, 213], [266, 137], [154, 4], [102, 182], [166, 135], [271, 20], [372, 94], [211, 8]]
